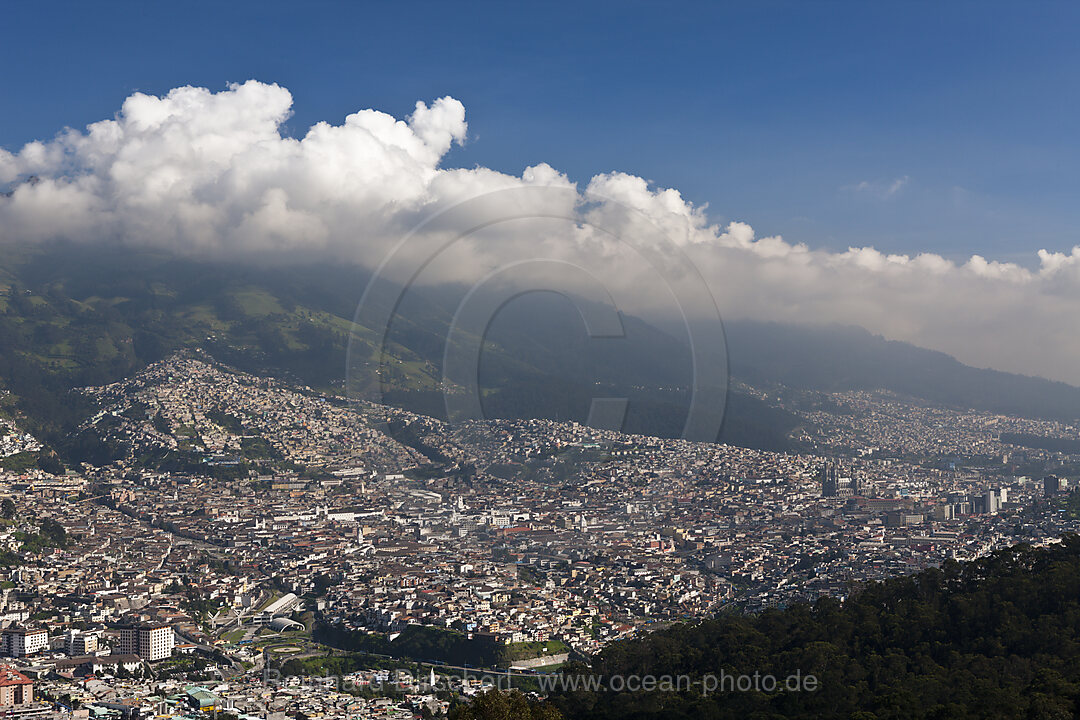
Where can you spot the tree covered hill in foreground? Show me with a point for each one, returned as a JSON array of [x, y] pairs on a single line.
[[994, 638]]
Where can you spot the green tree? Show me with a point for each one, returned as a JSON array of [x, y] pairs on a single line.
[[512, 705]]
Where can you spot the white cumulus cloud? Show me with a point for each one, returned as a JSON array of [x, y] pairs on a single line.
[[212, 174]]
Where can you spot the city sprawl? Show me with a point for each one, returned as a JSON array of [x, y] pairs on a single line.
[[244, 525]]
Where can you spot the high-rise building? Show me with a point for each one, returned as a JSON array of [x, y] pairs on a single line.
[[128, 639], [945, 511], [1051, 485], [156, 642], [20, 641], [80, 643], [150, 641], [15, 688]]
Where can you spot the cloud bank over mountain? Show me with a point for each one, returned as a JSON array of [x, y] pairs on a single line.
[[212, 174]]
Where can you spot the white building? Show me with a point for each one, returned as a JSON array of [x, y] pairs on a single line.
[[20, 642], [150, 641], [284, 605], [80, 643], [156, 642]]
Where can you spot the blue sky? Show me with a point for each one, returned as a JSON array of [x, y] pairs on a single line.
[[908, 127]]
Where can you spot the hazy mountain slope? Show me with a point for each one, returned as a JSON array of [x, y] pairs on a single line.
[[832, 358], [71, 317]]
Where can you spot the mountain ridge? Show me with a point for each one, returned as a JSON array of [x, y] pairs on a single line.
[[73, 316]]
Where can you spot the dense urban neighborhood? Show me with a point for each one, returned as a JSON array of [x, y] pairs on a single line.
[[248, 535]]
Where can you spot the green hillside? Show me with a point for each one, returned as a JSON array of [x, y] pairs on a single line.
[[71, 317], [995, 638], [85, 319]]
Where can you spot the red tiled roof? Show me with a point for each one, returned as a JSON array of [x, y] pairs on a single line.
[[8, 677]]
